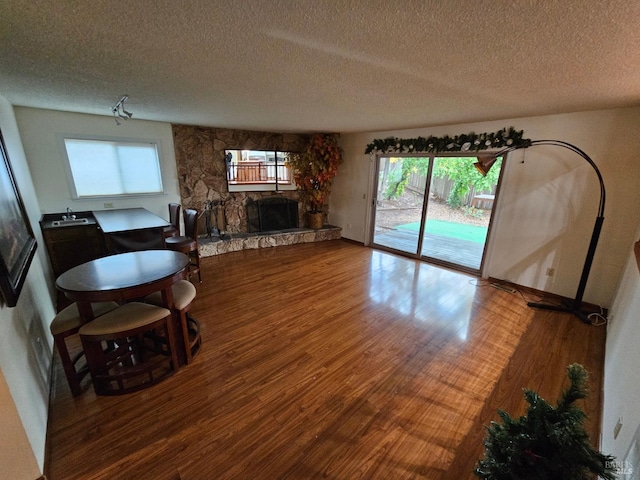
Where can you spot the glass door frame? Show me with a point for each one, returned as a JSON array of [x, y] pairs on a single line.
[[417, 255]]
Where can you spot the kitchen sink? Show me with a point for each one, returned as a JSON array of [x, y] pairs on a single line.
[[69, 221]]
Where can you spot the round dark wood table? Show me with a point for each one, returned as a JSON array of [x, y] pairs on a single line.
[[124, 277]]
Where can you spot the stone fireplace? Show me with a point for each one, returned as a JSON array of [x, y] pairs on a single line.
[[202, 178], [202, 169]]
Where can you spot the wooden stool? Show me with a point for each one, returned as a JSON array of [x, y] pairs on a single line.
[[183, 294], [120, 358], [174, 219], [66, 323], [188, 243]]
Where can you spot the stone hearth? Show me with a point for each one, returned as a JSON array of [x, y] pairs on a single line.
[[246, 241]]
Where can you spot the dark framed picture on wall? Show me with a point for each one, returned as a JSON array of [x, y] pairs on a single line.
[[17, 242]]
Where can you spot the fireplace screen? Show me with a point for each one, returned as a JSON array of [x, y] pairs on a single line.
[[273, 213]]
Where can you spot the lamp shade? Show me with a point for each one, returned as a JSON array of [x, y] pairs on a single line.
[[484, 163]]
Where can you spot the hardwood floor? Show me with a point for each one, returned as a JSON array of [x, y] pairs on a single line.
[[328, 360]]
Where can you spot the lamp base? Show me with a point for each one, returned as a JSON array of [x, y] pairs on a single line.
[[584, 318]]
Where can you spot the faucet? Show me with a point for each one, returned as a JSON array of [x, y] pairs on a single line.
[[69, 215]]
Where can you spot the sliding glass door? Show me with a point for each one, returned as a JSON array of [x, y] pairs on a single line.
[[399, 206], [435, 208]]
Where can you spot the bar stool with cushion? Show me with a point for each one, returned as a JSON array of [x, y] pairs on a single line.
[[65, 324], [183, 294], [174, 219], [121, 358], [188, 243]]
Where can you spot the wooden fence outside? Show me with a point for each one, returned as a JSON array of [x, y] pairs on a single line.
[[441, 188]]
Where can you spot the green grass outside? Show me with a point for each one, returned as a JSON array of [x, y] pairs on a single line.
[[472, 233]]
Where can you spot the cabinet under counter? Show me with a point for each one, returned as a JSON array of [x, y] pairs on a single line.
[[73, 238], [71, 243]]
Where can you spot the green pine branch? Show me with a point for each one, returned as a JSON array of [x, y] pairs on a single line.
[[547, 443]]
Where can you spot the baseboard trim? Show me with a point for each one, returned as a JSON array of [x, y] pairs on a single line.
[[354, 242]]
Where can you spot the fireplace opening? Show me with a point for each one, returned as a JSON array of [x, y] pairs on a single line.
[[272, 213]]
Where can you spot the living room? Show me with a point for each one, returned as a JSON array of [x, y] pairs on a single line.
[[545, 210]]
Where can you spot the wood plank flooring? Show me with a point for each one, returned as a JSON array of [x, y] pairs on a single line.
[[328, 360]]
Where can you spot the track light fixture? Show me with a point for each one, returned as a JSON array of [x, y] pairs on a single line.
[[119, 111]]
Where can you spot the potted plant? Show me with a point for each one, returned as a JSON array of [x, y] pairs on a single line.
[[313, 172], [548, 443]]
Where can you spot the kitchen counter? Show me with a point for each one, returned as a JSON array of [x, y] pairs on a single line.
[[95, 234], [128, 219]]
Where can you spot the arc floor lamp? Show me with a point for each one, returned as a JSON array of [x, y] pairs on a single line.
[[575, 306]]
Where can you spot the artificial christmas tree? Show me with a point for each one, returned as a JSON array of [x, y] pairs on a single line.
[[546, 443]]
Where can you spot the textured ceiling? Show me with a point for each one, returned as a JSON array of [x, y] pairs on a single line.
[[321, 65]]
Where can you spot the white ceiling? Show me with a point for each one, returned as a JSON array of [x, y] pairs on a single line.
[[321, 65]]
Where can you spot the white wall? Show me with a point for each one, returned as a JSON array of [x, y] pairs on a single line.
[[16, 457], [621, 372], [41, 131], [25, 341], [350, 199], [547, 206]]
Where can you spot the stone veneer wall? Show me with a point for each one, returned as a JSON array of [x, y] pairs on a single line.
[[202, 173]]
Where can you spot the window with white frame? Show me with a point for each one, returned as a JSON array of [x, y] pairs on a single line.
[[104, 168]]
